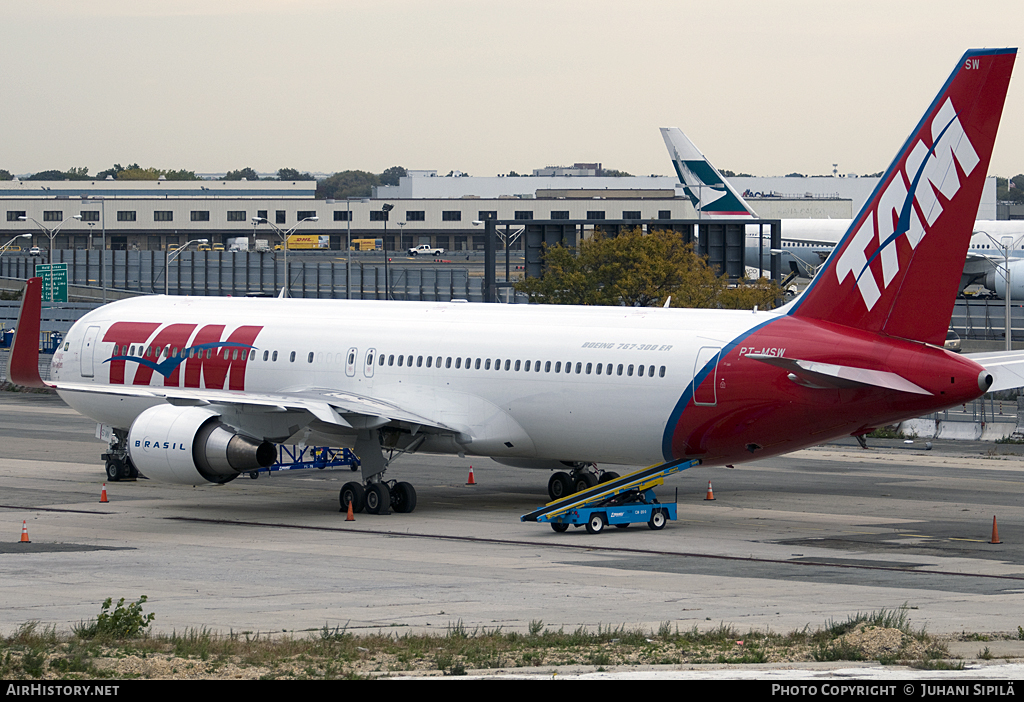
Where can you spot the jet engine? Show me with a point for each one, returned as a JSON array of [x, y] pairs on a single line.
[[995, 280], [189, 445]]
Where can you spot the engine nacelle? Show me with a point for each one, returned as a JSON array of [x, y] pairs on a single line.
[[995, 280], [188, 445]]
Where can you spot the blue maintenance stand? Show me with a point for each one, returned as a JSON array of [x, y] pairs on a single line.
[[296, 457], [620, 502]]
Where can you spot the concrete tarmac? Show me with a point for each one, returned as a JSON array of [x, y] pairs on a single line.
[[814, 536]]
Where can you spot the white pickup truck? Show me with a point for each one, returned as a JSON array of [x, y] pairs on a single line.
[[426, 249]]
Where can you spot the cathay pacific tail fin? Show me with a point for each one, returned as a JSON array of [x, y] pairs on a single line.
[[709, 192]]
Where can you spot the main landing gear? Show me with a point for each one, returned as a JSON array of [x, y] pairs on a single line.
[[378, 498], [582, 477], [375, 495]]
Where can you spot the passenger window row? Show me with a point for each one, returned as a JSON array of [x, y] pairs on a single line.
[[508, 364], [458, 362], [157, 352]]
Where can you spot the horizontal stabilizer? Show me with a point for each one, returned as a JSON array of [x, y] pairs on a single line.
[[828, 375], [1005, 367]]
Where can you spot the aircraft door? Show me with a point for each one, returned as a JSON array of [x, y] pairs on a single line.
[[88, 350], [705, 390], [368, 362], [350, 361]]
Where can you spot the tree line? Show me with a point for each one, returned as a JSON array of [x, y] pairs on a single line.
[[356, 183], [635, 269], [343, 184]]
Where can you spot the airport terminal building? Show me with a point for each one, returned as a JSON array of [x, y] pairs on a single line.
[[445, 212]]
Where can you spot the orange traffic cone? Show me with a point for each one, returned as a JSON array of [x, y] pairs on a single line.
[[472, 480], [350, 517], [24, 533], [103, 494], [711, 495], [995, 533]]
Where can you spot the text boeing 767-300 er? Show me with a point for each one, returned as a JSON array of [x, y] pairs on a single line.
[[200, 389]]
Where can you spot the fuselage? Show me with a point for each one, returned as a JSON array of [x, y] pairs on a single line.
[[810, 241], [613, 385]]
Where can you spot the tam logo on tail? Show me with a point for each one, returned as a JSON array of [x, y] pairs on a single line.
[[928, 171], [897, 268]]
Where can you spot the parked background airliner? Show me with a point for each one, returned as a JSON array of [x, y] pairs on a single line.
[[199, 389], [806, 243]]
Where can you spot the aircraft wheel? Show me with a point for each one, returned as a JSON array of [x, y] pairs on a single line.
[[354, 493], [113, 470], [254, 474], [596, 523], [559, 485], [658, 520], [559, 527], [607, 476], [584, 481], [378, 499], [403, 499]]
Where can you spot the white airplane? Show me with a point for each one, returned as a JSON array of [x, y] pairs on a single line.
[[199, 389], [806, 243]]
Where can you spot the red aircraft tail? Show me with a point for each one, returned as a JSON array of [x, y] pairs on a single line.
[[896, 270], [23, 364]]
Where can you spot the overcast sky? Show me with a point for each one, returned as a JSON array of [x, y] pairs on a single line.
[[484, 86]]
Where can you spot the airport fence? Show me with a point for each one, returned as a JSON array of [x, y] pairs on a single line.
[[44, 365], [239, 273], [986, 319]]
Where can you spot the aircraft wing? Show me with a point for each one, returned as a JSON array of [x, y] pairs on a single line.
[[343, 409], [1006, 367]]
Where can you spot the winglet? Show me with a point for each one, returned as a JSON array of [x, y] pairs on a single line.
[[23, 364]]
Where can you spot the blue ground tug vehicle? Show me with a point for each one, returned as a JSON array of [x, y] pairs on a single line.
[[619, 502]]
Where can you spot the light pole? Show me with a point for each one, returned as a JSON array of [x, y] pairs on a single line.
[[700, 194], [348, 254], [284, 241], [52, 234], [1006, 244], [171, 256], [103, 242], [6, 246], [386, 209]]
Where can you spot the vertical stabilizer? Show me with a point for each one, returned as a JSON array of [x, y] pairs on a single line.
[[23, 364], [897, 268], [707, 189]]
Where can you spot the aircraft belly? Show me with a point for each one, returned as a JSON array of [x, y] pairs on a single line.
[[569, 422]]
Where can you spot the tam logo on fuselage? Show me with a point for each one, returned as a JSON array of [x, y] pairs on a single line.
[[209, 361], [924, 171]]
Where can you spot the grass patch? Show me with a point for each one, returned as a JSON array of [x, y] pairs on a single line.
[[118, 644]]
